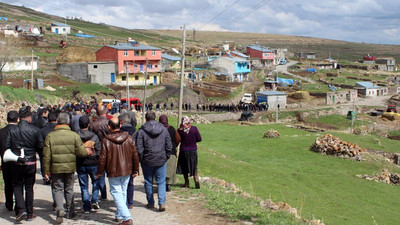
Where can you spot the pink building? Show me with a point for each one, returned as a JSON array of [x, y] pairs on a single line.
[[265, 54], [132, 56]]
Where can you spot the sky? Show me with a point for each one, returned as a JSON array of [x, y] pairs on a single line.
[[369, 21]]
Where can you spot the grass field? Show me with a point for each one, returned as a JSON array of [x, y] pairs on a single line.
[[284, 169]]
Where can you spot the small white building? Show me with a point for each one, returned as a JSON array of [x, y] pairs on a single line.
[[367, 89], [21, 63], [274, 99], [60, 28]]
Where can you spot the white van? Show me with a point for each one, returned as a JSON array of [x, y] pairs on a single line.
[[247, 98], [106, 101]]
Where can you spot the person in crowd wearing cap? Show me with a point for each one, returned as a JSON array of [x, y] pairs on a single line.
[[75, 119], [101, 129], [87, 167], [29, 138], [154, 147], [120, 159], [12, 120], [171, 163], [61, 148], [187, 162]]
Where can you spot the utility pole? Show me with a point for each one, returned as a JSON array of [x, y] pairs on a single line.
[[277, 109], [66, 32], [32, 71], [127, 86], [144, 97], [182, 77], [194, 34], [352, 117]]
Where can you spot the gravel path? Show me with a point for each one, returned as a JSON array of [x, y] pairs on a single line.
[[45, 214]]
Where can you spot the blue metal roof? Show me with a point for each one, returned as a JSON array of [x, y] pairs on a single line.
[[220, 74], [260, 48], [127, 46], [240, 54], [271, 93], [366, 84], [60, 24], [170, 57]]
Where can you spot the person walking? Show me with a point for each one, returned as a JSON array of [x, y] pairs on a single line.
[[61, 148], [187, 162], [100, 128], [29, 138], [154, 147], [87, 167], [171, 163], [120, 159], [6, 167]]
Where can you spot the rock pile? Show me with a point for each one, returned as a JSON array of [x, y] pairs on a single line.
[[196, 119], [385, 176], [331, 145], [272, 134]]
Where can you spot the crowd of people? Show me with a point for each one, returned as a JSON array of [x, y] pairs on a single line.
[[84, 138]]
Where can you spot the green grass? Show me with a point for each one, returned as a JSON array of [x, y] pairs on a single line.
[[394, 133], [339, 121], [284, 169], [318, 88]]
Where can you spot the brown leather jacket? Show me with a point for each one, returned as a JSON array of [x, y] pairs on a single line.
[[118, 156]]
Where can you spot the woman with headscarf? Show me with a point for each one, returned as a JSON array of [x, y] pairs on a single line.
[[171, 163], [187, 162]]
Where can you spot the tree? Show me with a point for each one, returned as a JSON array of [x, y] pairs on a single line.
[[9, 49]]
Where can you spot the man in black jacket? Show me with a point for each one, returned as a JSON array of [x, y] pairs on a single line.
[[41, 121], [28, 137], [88, 166], [12, 119], [154, 148]]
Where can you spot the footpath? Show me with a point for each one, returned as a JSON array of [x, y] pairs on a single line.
[[43, 208]]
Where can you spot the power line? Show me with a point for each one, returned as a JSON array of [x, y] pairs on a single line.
[[255, 7], [203, 10], [230, 6]]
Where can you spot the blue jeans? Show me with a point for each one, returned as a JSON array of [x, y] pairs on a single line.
[[83, 173], [118, 186], [160, 172], [102, 186], [129, 194]]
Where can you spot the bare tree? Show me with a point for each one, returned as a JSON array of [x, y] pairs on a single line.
[[9, 50]]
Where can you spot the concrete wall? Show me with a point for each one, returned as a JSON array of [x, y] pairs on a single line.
[[74, 71], [19, 64], [273, 101], [338, 97], [101, 74]]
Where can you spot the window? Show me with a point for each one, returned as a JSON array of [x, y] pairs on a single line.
[[136, 77], [135, 65], [95, 66], [136, 53], [64, 29], [123, 77], [153, 53], [150, 65], [125, 53]]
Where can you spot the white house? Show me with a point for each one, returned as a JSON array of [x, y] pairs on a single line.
[[274, 99], [60, 28], [21, 63], [367, 89]]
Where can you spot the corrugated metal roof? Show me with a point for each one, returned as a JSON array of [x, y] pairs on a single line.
[[366, 84], [240, 54], [170, 57], [260, 48], [127, 46], [234, 59], [60, 24], [271, 93]]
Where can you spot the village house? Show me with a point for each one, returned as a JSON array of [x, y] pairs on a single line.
[[306, 55], [369, 89], [280, 54], [130, 59], [60, 28], [386, 64], [339, 97], [264, 54], [236, 69], [89, 72], [273, 99], [235, 53], [21, 63], [170, 62]]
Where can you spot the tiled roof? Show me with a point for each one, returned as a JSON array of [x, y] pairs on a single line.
[[127, 46]]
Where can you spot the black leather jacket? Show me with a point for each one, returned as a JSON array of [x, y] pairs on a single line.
[[25, 136]]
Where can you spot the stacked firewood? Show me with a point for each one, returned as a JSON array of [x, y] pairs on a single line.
[[385, 176], [331, 145], [271, 134]]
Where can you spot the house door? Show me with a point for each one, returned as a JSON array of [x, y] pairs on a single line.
[[155, 80], [333, 99], [112, 77], [141, 66], [56, 30]]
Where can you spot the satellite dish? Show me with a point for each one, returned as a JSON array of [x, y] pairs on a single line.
[[176, 51]]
